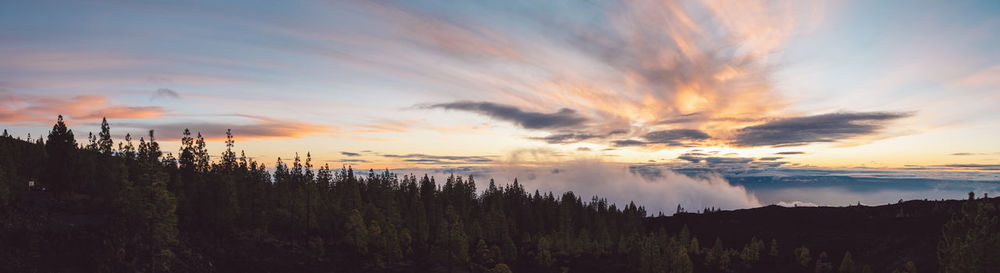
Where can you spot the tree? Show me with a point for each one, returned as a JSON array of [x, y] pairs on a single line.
[[695, 247], [774, 248], [457, 242], [684, 236], [802, 256], [104, 142], [149, 213], [823, 264], [59, 148], [229, 157], [681, 262], [969, 240], [484, 256], [543, 252], [911, 268], [847, 264], [715, 253], [356, 232]]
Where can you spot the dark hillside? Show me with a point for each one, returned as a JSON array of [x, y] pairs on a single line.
[[885, 237]]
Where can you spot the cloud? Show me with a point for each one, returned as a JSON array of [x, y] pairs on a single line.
[[690, 158], [981, 167], [661, 190], [70, 61], [813, 129], [440, 159], [850, 191], [166, 93], [790, 153], [676, 137], [253, 128], [641, 65], [672, 136], [971, 154], [583, 149], [638, 65], [348, 160], [41, 109], [796, 204], [468, 40], [562, 118], [628, 142], [390, 126], [124, 112], [564, 138], [350, 154], [728, 160]]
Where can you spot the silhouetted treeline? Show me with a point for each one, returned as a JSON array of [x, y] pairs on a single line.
[[102, 206]]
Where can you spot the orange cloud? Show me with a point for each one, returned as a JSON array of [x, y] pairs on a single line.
[[252, 127], [27, 109], [701, 66], [467, 40]]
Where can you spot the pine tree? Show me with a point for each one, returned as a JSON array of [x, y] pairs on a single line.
[[104, 142], [802, 256], [356, 232], [823, 264], [60, 146], [715, 253], [695, 247], [543, 252], [684, 236], [229, 157], [847, 264], [201, 157], [970, 240], [149, 211], [681, 262]]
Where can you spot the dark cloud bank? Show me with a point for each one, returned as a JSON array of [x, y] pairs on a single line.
[[562, 118], [570, 127], [677, 137], [813, 129]]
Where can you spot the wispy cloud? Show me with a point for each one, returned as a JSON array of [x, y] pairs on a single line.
[[676, 137], [348, 160], [252, 127], [815, 129], [981, 167], [661, 71], [38, 109], [166, 93], [574, 137], [423, 159], [562, 118]]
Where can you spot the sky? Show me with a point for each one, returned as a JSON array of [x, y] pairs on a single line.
[[508, 88]]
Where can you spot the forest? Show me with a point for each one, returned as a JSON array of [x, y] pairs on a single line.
[[128, 206]]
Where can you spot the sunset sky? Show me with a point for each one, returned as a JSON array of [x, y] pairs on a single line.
[[900, 85]]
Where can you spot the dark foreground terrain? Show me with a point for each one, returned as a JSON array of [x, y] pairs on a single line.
[[883, 237], [100, 207]]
